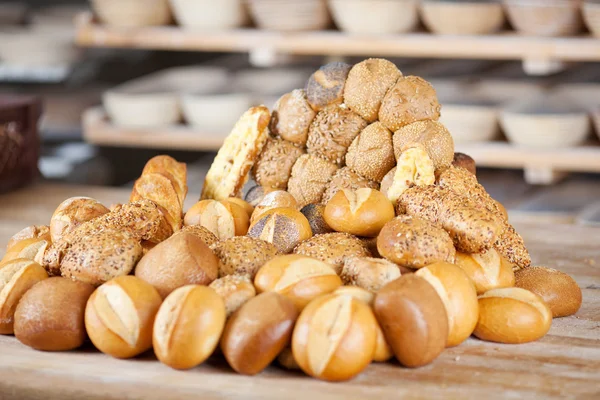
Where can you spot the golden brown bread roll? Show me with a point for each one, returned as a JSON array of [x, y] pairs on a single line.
[[229, 171], [432, 135], [274, 199], [284, 227], [472, 227], [371, 154], [30, 249], [292, 116], [101, 257], [414, 168], [367, 84], [160, 189], [256, 193], [175, 171], [200, 232], [387, 181], [309, 179], [326, 85], [333, 248], [274, 164], [314, 215], [243, 255], [558, 290], [235, 290], [462, 160], [369, 273], [224, 219], [72, 213], [488, 270], [50, 316], [183, 259], [332, 132], [249, 208], [345, 178], [30, 232], [410, 100], [414, 242]]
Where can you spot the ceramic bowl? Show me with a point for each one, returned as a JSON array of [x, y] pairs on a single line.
[[290, 15], [132, 13], [210, 14], [375, 16], [462, 17], [545, 17], [214, 113]]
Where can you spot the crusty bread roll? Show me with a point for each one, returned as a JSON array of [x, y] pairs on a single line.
[[411, 99], [345, 178], [72, 213], [371, 154], [202, 233], [314, 215], [310, 176], [224, 219], [160, 189], [229, 171], [175, 171], [256, 193], [414, 242], [369, 273], [243, 255], [235, 290], [275, 199], [367, 84], [249, 208], [50, 316], [333, 248], [183, 259], [30, 232], [488, 270], [465, 161], [274, 165], [414, 168], [333, 131], [560, 291], [292, 117], [432, 135], [326, 85], [284, 227], [29, 249]]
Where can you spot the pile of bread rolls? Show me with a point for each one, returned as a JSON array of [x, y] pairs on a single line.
[[366, 238]]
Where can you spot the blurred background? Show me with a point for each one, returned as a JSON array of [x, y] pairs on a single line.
[[103, 85]]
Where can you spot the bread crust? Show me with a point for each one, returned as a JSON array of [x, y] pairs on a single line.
[[309, 178], [292, 116], [371, 153], [273, 167], [326, 85]]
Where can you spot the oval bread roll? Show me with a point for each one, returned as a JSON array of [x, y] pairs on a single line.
[[292, 117], [371, 154], [309, 179], [326, 85], [274, 165], [432, 135], [345, 178]]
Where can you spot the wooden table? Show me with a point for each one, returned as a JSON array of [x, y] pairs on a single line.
[[564, 364]]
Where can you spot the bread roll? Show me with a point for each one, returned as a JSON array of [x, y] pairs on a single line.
[[30, 232], [345, 178], [30, 249], [367, 84], [314, 215], [332, 132], [243, 255], [333, 248], [292, 117], [414, 242], [256, 193], [410, 100], [201, 233], [175, 171], [462, 160], [235, 290], [72, 213], [275, 199], [369, 273], [224, 219], [50, 316], [387, 181], [160, 189], [371, 154], [101, 257], [414, 168], [274, 165], [558, 290], [432, 135], [249, 208], [183, 259], [326, 86], [310, 176], [284, 227]]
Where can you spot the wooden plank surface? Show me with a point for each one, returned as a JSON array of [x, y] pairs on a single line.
[[504, 46], [564, 364]]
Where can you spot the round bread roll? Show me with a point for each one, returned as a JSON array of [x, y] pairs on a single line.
[[224, 219], [326, 85], [488, 270], [432, 135], [292, 117], [410, 100], [235, 290], [310, 176], [371, 154], [50, 316], [387, 181], [256, 193], [102, 257], [369, 273], [414, 242], [201, 233], [72, 213], [367, 84], [275, 199], [345, 178], [284, 227], [30, 249], [314, 215], [464, 161], [560, 292], [333, 131], [333, 248], [249, 208], [183, 259], [243, 255], [30, 232], [274, 165]]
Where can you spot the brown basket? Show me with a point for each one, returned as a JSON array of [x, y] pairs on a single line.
[[19, 141]]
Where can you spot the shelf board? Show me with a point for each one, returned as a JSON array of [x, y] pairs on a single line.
[[98, 130], [503, 46]]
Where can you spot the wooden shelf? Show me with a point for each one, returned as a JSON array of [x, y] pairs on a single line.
[[538, 53], [97, 129]]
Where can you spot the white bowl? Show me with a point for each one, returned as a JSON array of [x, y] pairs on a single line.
[[462, 17], [210, 14], [375, 16], [33, 48], [546, 122], [545, 17], [290, 15], [132, 13], [215, 113], [471, 123]]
